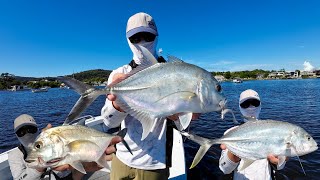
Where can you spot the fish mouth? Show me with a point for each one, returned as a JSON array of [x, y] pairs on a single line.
[[30, 160], [52, 161]]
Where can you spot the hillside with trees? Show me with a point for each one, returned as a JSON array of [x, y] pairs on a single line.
[[91, 76]]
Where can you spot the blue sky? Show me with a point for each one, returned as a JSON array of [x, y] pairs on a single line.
[[54, 37]]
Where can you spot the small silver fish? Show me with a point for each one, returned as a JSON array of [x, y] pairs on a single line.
[[70, 144], [257, 139], [156, 90]]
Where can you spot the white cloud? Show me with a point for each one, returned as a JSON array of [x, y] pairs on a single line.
[[307, 66]]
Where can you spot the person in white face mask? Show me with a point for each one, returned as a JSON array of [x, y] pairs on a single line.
[[26, 130], [151, 157], [250, 107]]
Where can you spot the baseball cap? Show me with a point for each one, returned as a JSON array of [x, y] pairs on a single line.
[[248, 94], [141, 22], [24, 120]]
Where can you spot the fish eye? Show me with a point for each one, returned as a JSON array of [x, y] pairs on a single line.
[[218, 87], [38, 145], [308, 137]]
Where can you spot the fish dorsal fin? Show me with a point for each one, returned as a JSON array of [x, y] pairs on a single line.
[[146, 119], [173, 59], [244, 163], [74, 84], [78, 166], [185, 119], [147, 60]]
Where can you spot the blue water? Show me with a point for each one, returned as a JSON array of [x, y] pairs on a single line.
[[295, 101]]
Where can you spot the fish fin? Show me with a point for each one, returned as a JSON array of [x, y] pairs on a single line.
[[205, 145], [103, 162], [146, 119], [83, 102], [186, 95], [282, 160], [185, 119], [201, 152], [74, 84], [78, 166], [178, 125], [146, 126], [122, 133], [88, 95], [173, 59], [244, 163], [147, 60]]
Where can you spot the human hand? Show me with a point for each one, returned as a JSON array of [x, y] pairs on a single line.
[[231, 156], [116, 79], [47, 127], [274, 159]]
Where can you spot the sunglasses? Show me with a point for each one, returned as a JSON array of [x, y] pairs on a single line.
[[148, 37], [247, 103], [26, 129]]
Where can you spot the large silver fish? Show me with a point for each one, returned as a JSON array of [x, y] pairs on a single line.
[[155, 90], [70, 144], [257, 139]]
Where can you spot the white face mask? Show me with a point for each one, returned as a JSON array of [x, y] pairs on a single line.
[[151, 46], [251, 111], [28, 139]]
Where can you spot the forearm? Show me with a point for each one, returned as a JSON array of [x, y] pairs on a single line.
[[225, 164], [112, 117]]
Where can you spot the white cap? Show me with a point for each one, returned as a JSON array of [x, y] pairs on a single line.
[[141, 22], [248, 94], [24, 120]]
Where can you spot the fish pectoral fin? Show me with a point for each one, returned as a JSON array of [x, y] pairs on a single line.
[[185, 119], [78, 166], [282, 161], [244, 163], [103, 162], [185, 95]]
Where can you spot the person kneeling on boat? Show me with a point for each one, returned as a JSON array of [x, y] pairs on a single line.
[[26, 130], [250, 106]]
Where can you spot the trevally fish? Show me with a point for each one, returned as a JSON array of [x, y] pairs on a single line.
[[70, 144], [257, 139], [156, 90]]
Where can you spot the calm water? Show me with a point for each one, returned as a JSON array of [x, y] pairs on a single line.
[[295, 101]]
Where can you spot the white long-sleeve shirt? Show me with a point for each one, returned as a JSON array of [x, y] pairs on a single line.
[[258, 170], [20, 170], [18, 167], [148, 154]]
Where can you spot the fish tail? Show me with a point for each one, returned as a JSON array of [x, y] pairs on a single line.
[[88, 95], [122, 133], [205, 145]]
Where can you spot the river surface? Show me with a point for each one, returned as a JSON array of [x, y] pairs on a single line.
[[294, 101]]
